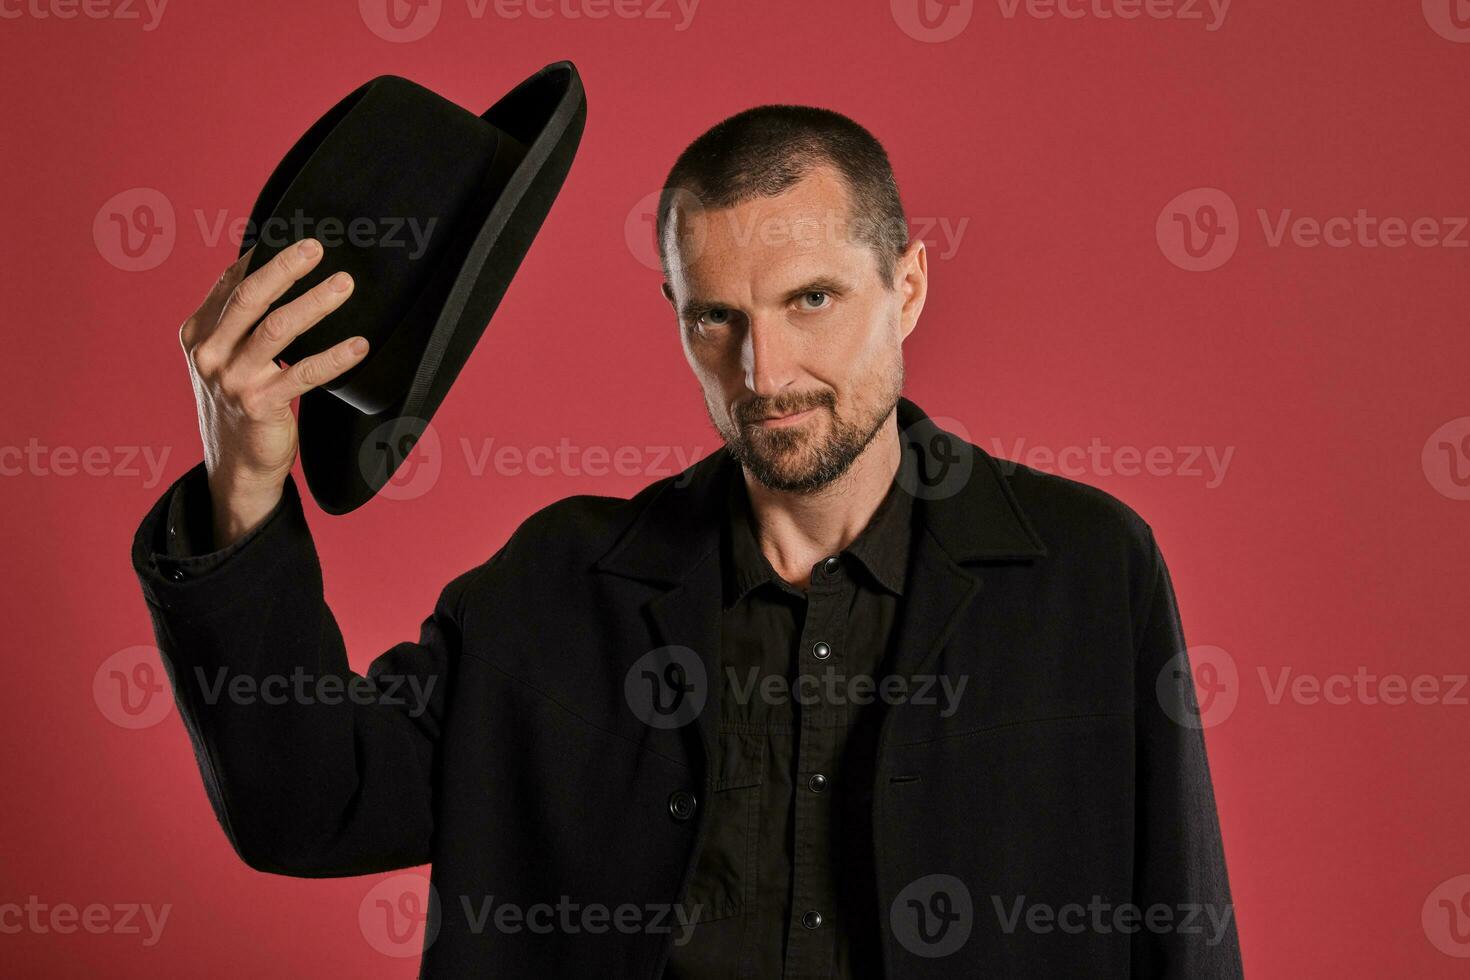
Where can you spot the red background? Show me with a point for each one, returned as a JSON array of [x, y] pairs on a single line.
[[1057, 320]]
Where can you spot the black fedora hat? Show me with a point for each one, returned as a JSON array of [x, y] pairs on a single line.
[[431, 209]]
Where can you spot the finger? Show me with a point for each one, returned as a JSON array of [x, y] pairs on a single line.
[[202, 321], [311, 372], [285, 323], [256, 292]]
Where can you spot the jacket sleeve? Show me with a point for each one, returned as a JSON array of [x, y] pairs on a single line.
[[312, 770], [1179, 858]]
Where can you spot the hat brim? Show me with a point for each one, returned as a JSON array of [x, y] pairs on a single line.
[[348, 455]]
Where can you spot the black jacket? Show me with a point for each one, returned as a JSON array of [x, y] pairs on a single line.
[[1056, 823]]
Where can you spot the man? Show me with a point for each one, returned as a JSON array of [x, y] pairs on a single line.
[[848, 698]]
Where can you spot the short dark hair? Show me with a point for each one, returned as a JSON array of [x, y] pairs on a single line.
[[763, 151]]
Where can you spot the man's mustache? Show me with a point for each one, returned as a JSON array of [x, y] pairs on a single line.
[[754, 411]]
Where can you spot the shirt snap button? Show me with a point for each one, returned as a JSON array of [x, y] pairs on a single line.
[[681, 804]]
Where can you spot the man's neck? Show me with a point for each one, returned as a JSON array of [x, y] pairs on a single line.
[[796, 531]]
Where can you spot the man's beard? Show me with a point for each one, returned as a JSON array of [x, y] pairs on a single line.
[[795, 459]]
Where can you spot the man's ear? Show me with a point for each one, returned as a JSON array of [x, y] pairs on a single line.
[[912, 281], [668, 293]]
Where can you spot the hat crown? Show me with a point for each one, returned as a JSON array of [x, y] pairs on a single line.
[[390, 181]]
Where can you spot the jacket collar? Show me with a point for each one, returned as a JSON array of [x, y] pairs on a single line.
[[960, 496]]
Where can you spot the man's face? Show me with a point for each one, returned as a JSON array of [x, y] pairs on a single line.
[[782, 313]]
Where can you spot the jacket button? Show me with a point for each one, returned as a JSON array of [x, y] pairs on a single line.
[[681, 804], [811, 918], [176, 573], [821, 651], [818, 783], [831, 565]]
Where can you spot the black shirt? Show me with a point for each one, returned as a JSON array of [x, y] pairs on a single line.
[[785, 878]]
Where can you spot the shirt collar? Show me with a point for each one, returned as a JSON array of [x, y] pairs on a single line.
[[881, 548]]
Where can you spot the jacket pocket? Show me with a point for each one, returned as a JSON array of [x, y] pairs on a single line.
[[724, 878]]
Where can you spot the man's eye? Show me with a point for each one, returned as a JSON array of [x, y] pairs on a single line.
[[713, 318], [821, 299]]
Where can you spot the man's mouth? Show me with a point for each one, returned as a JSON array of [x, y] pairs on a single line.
[[784, 420]]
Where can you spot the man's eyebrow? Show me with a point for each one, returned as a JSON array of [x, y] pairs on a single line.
[[821, 284], [696, 306]]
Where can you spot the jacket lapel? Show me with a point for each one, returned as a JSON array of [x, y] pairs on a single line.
[[965, 513], [689, 615], [675, 543]]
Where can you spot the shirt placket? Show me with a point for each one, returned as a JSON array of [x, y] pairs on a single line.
[[821, 658]]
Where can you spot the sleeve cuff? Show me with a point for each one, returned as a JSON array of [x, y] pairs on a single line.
[[173, 577], [189, 528]]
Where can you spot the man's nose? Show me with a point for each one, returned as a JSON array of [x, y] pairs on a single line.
[[769, 355]]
